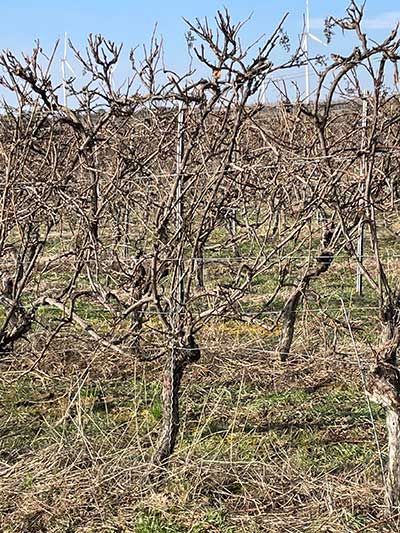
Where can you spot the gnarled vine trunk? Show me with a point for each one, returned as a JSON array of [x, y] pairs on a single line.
[[288, 324], [393, 476], [384, 388], [290, 309], [179, 358]]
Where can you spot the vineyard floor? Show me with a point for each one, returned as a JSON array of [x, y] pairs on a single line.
[[264, 446]]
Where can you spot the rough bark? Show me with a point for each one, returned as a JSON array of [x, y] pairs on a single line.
[[289, 311], [288, 324], [393, 475], [384, 388], [178, 359], [170, 408], [200, 272]]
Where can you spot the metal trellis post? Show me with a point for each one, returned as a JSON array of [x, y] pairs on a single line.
[[360, 240]]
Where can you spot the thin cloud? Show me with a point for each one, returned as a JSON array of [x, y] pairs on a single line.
[[384, 21]]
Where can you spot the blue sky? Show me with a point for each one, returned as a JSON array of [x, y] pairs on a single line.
[[132, 22]]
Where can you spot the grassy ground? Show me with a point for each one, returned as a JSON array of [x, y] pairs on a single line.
[[263, 447]]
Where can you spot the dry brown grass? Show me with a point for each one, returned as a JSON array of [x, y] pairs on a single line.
[[263, 447]]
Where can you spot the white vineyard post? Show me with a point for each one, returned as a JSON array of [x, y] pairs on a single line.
[[179, 198], [360, 240]]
